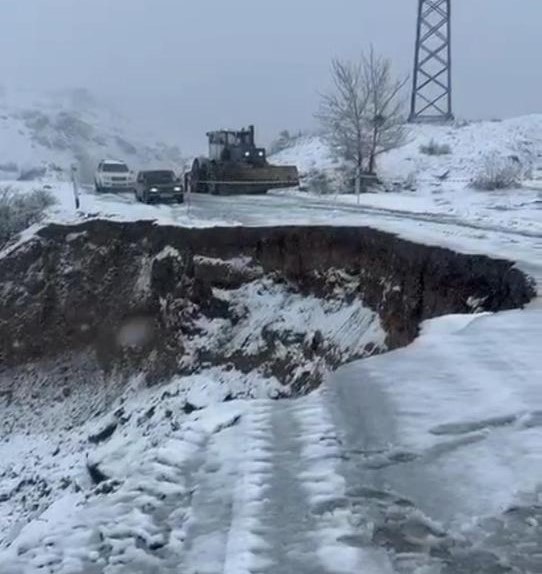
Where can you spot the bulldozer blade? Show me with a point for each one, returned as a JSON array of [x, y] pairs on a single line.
[[255, 179]]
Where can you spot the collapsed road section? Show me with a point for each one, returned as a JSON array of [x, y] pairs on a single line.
[[286, 301]]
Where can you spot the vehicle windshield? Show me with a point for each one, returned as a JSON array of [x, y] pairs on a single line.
[[159, 176], [115, 168]]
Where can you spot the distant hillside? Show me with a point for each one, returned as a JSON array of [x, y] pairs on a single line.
[[45, 135]]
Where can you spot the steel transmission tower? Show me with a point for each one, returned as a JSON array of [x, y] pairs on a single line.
[[432, 86]]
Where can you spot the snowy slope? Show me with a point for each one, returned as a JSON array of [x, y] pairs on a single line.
[[57, 130], [470, 144], [308, 153]]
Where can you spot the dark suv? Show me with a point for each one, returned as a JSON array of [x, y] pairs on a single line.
[[158, 185]]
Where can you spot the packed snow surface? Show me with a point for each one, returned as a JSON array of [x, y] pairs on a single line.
[[424, 460], [438, 449]]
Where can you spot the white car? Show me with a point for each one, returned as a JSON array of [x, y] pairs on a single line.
[[113, 175]]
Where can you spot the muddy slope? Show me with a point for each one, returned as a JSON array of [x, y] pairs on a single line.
[[135, 292]]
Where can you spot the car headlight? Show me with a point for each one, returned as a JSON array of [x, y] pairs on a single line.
[[260, 153], [177, 189], [154, 189], [247, 154]]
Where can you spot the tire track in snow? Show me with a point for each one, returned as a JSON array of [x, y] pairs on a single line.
[[288, 520], [224, 534], [377, 472], [342, 548], [204, 545], [246, 545]]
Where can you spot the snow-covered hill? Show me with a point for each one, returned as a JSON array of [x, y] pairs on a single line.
[[469, 145], [45, 134]]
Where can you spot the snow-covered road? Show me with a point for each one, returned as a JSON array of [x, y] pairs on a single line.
[[511, 234], [427, 459], [506, 225]]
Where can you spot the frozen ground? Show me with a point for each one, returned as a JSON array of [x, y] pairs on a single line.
[[425, 460]]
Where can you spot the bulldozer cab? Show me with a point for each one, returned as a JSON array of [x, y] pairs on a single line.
[[235, 146]]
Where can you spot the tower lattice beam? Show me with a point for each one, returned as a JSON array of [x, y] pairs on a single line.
[[432, 81]]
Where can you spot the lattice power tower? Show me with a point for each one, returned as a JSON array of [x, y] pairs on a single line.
[[432, 89]]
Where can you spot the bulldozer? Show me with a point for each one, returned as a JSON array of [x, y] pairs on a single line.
[[235, 165]]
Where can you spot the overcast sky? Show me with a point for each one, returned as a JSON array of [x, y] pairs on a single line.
[[188, 66]]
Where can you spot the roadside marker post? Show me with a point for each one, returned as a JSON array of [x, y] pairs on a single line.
[[75, 187], [358, 184], [188, 193]]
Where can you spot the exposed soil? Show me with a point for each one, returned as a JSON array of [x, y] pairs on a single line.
[[135, 294]]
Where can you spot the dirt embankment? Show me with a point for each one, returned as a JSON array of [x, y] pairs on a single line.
[[139, 295]]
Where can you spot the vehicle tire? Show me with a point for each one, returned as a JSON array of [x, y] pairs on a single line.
[[136, 195], [196, 174], [97, 187], [145, 198], [214, 188], [199, 176], [180, 199]]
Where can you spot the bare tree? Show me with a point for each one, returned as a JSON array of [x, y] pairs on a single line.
[[343, 111], [362, 114]]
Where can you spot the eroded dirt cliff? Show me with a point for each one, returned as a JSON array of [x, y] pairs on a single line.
[[173, 300]]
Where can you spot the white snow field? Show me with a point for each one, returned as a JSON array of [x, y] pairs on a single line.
[[424, 460]]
